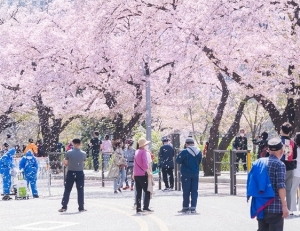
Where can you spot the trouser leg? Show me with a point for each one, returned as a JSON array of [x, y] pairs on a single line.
[[123, 176], [126, 176], [116, 181], [288, 185], [33, 187], [80, 189], [95, 155], [6, 183], [139, 189], [262, 225], [194, 192], [171, 177], [165, 177], [295, 186], [68, 188], [244, 157], [186, 189], [275, 221]]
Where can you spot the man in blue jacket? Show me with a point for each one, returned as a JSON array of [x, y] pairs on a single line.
[[190, 159], [166, 163], [29, 165], [6, 168], [275, 212]]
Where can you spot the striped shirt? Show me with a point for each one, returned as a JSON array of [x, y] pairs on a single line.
[[276, 169]]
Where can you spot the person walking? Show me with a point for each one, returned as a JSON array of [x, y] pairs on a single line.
[[262, 142], [140, 168], [296, 178], [240, 143], [189, 159], [289, 159], [129, 156], [106, 148], [74, 160], [29, 165], [275, 210], [117, 170], [95, 145], [166, 163]]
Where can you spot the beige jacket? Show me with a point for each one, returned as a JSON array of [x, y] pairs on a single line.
[[118, 161]]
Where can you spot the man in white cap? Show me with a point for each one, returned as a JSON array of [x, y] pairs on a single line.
[[276, 211], [190, 159]]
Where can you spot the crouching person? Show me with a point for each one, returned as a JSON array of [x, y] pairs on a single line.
[[190, 159], [29, 165], [6, 169]]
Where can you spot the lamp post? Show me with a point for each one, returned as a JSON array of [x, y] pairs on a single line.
[[148, 102]]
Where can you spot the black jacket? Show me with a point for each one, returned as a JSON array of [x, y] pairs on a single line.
[[166, 155], [240, 143]]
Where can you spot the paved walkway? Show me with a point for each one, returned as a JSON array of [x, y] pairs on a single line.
[[107, 211]]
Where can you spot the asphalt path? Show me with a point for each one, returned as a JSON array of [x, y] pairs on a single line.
[[107, 211]]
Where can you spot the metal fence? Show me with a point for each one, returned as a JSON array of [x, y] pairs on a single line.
[[233, 166]]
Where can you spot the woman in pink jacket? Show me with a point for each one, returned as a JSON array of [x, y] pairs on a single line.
[[140, 175]]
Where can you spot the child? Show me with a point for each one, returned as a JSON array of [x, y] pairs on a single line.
[[29, 164]]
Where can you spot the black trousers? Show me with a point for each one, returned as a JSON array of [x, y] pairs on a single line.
[[129, 170], [78, 178], [141, 184], [271, 222], [168, 172], [95, 155], [241, 156]]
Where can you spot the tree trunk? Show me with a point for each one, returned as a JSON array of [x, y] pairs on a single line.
[[121, 130], [214, 130], [235, 126], [51, 127]]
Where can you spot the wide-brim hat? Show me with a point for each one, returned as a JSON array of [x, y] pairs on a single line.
[[143, 142]]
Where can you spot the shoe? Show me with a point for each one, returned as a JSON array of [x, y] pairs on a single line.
[[148, 210], [6, 198], [139, 211], [119, 189], [183, 211], [82, 210], [131, 188], [193, 211], [126, 187], [116, 192], [166, 190], [62, 210], [35, 196]]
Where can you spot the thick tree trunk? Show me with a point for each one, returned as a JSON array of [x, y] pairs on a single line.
[[121, 130], [51, 127], [235, 126], [214, 130]]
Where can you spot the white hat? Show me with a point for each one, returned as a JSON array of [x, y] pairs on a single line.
[[143, 142]]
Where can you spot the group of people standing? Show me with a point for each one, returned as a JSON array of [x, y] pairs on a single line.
[[274, 179], [138, 164]]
